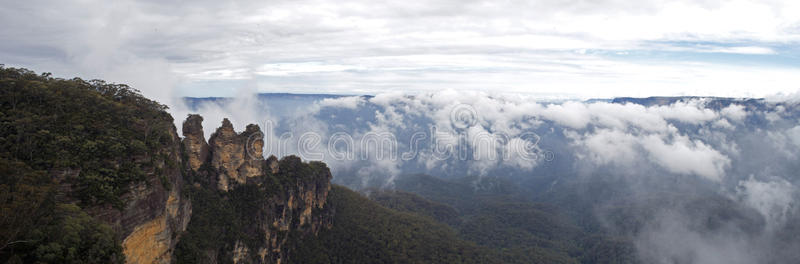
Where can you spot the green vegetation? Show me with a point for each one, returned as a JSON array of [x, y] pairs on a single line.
[[409, 202], [67, 144], [418, 230], [69, 235], [495, 214], [220, 219], [95, 134], [365, 232], [214, 227]]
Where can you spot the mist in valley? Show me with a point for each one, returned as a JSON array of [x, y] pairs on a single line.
[[684, 179]]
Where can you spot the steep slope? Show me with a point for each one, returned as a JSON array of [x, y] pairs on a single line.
[[424, 231], [365, 232], [246, 207], [92, 170], [409, 202], [497, 214]]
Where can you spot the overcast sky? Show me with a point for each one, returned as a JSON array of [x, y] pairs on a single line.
[[567, 48]]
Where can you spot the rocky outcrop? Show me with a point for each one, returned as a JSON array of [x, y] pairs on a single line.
[[298, 206], [272, 163], [151, 239], [158, 211], [292, 194], [194, 142], [290, 198], [236, 157]]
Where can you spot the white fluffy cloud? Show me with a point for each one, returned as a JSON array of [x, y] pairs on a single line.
[[680, 155], [692, 112], [570, 114], [734, 112], [609, 146], [686, 156], [622, 135], [349, 102], [774, 199]]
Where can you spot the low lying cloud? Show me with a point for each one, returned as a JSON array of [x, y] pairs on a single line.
[[774, 199], [350, 102], [738, 153], [478, 133]]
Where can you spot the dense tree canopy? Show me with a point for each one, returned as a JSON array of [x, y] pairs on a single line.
[[67, 144]]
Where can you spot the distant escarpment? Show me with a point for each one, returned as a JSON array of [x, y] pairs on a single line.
[[248, 208]]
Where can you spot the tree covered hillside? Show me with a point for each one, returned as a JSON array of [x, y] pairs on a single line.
[[365, 232], [66, 145], [497, 214]]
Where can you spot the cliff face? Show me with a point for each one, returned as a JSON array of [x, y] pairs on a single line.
[[290, 198], [299, 206], [155, 211], [194, 142], [236, 157], [269, 202], [262, 204]]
